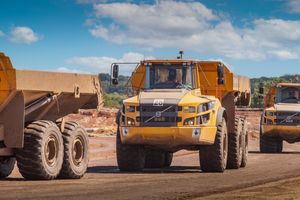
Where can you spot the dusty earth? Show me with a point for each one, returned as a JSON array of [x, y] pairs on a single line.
[[100, 122], [267, 176]]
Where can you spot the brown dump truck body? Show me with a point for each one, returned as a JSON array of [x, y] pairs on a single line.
[[26, 96]]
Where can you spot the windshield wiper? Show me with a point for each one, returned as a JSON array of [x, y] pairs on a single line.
[[187, 87]]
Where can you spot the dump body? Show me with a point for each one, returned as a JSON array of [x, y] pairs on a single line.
[[237, 85], [206, 79], [27, 96], [159, 116], [281, 116]]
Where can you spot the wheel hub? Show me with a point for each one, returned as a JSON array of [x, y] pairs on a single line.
[[51, 150], [78, 151]]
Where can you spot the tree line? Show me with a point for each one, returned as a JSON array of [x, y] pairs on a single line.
[[114, 95]]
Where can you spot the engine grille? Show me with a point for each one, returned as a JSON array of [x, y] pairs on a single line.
[[288, 118], [159, 116]]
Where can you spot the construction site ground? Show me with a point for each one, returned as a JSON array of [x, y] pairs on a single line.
[[266, 176]]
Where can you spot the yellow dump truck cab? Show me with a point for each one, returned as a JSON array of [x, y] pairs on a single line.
[[180, 104], [281, 117]]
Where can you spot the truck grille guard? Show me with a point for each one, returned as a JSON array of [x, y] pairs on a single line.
[[159, 116], [288, 118]]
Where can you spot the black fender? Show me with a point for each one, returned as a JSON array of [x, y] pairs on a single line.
[[118, 117]]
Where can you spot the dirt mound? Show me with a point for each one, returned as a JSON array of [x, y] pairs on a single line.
[[253, 118], [96, 122]]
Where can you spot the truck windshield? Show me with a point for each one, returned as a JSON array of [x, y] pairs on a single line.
[[288, 95], [169, 77]]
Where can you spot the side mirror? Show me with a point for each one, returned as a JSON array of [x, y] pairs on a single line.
[[115, 74], [220, 72], [261, 88]]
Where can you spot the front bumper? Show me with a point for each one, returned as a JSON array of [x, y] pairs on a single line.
[[168, 136], [289, 133]]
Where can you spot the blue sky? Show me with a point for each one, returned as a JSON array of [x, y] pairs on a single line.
[[257, 38]]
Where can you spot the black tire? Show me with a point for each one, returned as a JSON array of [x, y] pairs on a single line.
[[155, 159], [245, 142], [7, 165], [42, 155], [76, 144], [129, 157], [168, 159], [270, 144], [213, 158], [235, 147]]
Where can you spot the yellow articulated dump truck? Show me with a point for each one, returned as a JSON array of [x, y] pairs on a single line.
[[32, 130], [281, 117], [182, 104]]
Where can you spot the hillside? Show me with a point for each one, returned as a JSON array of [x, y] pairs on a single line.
[[115, 94]]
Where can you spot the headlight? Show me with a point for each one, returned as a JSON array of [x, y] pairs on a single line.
[[130, 121], [189, 109], [189, 121], [130, 108], [205, 119], [206, 106]]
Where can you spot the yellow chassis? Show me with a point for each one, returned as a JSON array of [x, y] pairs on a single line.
[[168, 136], [288, 133]]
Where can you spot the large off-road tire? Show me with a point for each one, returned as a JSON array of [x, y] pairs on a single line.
[[129, 157], [235, 147], [155, 158], [270, 144], [245, 142], [7, 165], [168, 159], [76, 145], [42, 154], [213, 158]]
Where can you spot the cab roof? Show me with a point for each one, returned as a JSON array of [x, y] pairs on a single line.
[[182, 61]]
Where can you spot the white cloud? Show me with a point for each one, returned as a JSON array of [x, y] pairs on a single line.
[[284, 54], [90, 1], [1, 33], [103, 63], [293, 6], [25, 35], [68, 70], [193, 26], [275, 31], [166, 20]]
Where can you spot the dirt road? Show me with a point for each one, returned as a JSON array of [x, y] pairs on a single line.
[[183, 180]]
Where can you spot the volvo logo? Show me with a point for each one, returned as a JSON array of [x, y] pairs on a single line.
[[289, 119], [158, 102], [158, 114]]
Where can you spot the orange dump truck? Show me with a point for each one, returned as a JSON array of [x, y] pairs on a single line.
[[32, 129], [281, 117], [182, 104]]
